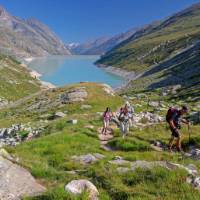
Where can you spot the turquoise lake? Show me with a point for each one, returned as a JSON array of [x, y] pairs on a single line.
[[62, 70]]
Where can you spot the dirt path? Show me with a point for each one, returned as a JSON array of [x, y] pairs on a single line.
[[104, 139]]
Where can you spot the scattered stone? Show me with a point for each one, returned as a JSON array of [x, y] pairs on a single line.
[[86, 107], [175, 88], [17, 133], [194, 153], [147, 117], [154, 103], [88, 158], [77, 187], [60, 115], [196, 182], [119, 161], [73, 121], [195, 117], [16, 182]]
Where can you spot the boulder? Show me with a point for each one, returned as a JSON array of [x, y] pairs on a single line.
[[77, 187], [16, 182]]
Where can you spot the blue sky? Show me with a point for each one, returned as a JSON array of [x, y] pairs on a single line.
[[81, 20]]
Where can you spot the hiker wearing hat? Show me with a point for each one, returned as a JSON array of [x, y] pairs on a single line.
[[174, 118]]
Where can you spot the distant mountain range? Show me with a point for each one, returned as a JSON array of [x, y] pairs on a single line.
[[162, 54], [156, 42], [25, 38], [101, 45]]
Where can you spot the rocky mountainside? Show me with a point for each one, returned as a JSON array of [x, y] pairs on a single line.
[[15, 80], [25, 38], [101, 45], [154, 44], [183, 69]]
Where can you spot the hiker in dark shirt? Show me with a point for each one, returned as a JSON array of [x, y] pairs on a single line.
[[174, 118]]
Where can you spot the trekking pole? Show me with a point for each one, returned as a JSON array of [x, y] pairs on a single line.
[[189, 131]]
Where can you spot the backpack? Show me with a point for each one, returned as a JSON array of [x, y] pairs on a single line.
[[170, 113]]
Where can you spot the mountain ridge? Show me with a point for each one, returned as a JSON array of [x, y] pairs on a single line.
[[27, 38], [162, 40]]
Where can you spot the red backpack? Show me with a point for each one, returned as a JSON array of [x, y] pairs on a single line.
[[170, 113]]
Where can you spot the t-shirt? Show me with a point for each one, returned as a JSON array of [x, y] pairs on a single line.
[[176, 117], [107, 116]]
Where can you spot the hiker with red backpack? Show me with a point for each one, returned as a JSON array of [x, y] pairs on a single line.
[[174, 119]]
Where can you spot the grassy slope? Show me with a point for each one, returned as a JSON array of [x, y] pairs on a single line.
[[97, 98], [15, 80], [182, 69], [49, 157], [168, 38]]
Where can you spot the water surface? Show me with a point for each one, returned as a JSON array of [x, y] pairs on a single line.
[[62, 70]]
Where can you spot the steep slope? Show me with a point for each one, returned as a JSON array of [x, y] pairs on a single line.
[[102, 45], [182, 69], [15, 81], [23, 38], [154, 44]]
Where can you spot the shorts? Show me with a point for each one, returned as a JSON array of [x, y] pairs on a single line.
[[175, 133]]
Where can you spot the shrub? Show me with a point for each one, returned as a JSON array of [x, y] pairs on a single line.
[[23, 134]]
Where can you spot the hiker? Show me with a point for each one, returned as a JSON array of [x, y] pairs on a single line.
[[130, 113], [107, 115], [124, 120], [174, 118]]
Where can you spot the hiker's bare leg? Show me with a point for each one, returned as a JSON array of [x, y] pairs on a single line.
[[178, 144], [104, 128], [171, 143]]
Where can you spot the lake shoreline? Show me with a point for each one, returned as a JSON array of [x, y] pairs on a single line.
[[128, 76], [125, 76], [36, 75]]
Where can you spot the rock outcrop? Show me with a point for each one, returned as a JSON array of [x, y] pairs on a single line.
[[75, 95], [16, 182]]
